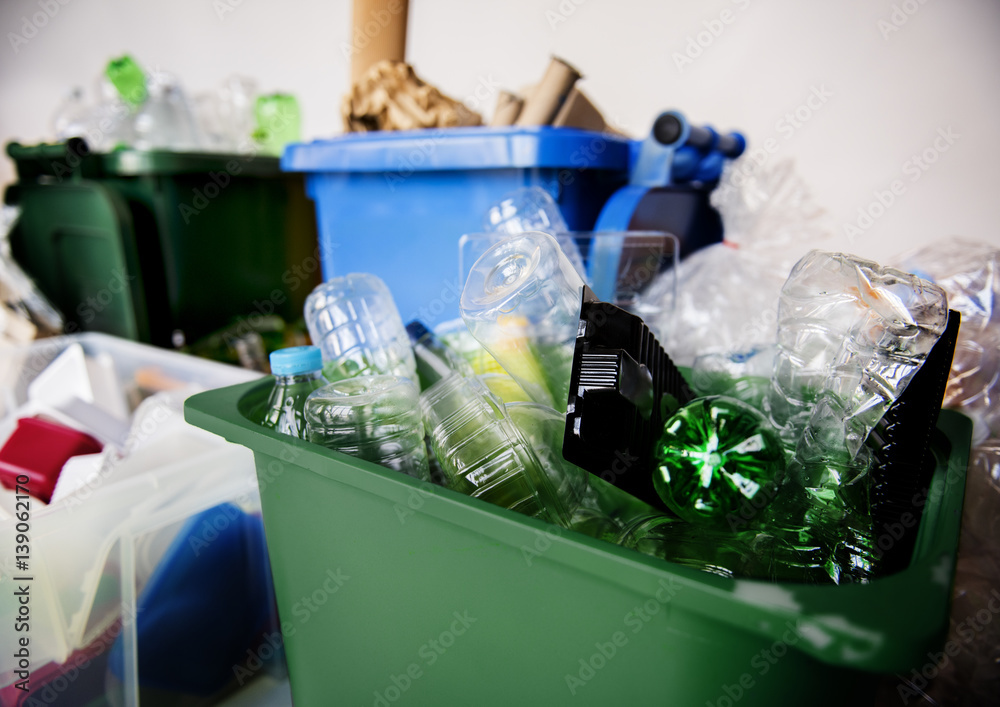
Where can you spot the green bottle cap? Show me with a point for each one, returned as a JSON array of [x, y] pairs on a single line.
[[128, 78]]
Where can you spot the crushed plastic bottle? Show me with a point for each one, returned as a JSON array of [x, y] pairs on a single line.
[[376, 418], [851, 335], [278, 122], [165, 120]]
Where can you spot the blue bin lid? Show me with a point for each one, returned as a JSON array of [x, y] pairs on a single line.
[[460, 149]]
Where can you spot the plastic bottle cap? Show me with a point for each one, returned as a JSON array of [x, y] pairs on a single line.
[[297, 359]]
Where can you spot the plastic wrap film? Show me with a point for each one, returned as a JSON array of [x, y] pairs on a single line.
[[970, 273], [966, 670], [969, 674], [728, 292]]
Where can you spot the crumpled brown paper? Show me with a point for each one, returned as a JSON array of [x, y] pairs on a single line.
[[390, 96]]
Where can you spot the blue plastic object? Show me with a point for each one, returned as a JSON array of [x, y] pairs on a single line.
[[674, 170], [296, 359], [396, 203], [209, 602]]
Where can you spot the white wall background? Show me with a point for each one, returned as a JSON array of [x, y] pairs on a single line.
[[890, 91]]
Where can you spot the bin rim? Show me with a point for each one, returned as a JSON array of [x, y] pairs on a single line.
[[468, 148], [887, 625]]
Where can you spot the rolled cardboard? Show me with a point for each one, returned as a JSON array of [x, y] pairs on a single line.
[[378, 32], [508, 107], [550, 93], [578, 112]]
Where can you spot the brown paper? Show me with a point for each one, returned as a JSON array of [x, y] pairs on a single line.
[[578, 112], [390, 96], [508, 107], [550, 93], [378, 33]]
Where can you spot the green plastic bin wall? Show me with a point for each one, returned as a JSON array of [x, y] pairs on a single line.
[[394, 591], [140, 244]]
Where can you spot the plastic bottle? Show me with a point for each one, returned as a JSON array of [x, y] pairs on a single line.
[[278, 122], [522, 303], [376, 418], [483, 454], [851, 336], [354, 321], [533, 209], [297, 373], [435, 359]]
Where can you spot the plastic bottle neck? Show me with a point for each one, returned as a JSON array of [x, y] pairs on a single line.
[[296, 378]]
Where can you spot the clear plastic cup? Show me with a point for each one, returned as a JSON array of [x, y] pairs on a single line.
[[522, 303]]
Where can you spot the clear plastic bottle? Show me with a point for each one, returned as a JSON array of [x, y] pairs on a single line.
[[297, 373], [851, 336], [483, 454], [354, 321], [376, 418], [533, 209], [522, 303], [435, 359]]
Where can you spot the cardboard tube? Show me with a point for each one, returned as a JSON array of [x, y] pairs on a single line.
[[543, 104], [378, 32], [578, 112], [507, 110]]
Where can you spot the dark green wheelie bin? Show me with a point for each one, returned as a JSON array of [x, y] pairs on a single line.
[[148, 245]]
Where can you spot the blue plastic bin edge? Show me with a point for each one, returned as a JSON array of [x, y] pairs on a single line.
[[460, 149]]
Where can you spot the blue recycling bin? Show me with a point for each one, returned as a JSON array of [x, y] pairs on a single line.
[[396, 203]]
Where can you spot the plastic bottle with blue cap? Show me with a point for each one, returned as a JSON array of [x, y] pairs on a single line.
[[298, 371]]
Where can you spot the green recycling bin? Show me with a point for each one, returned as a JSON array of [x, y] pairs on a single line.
[[395, 591], [148, 244]]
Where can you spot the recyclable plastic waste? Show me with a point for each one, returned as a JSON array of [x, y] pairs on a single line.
[[354, 321], [298, 371], [149, 109], [376, 418], [533, 209], [770, 220], [522, 303]]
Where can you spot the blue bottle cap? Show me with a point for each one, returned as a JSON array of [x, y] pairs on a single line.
[[297, 359]]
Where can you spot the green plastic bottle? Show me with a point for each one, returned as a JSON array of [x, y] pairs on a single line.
[[129, 80], [279, 122]]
